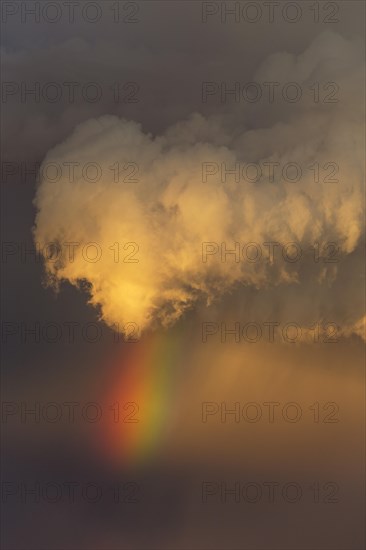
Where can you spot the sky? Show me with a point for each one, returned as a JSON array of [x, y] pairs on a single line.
[[183, 275]]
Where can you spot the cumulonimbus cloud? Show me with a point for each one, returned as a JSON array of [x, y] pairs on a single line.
[[157, 199]]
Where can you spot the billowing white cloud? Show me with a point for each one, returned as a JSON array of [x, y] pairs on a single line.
[[171, 195]]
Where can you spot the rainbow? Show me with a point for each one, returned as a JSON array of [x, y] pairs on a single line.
[[139, 397]]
